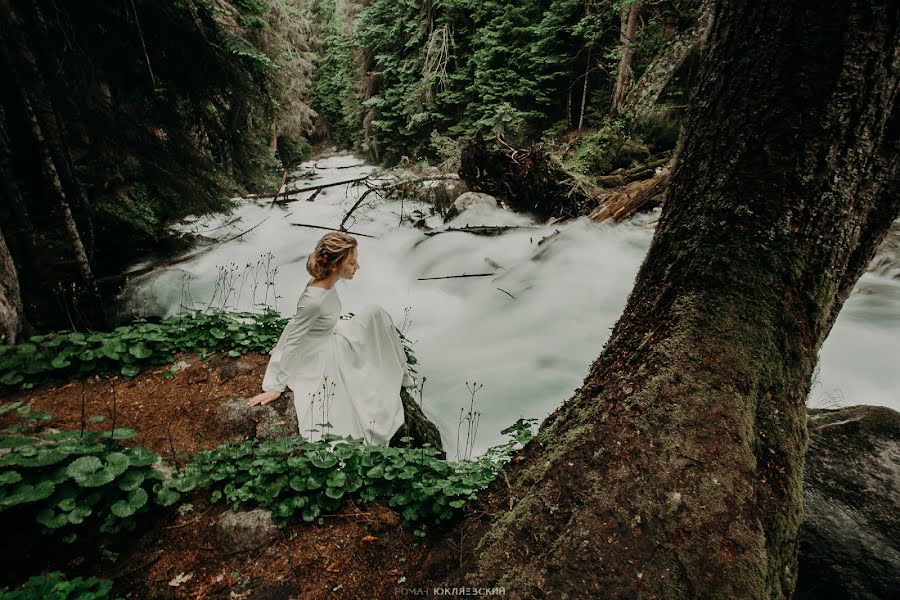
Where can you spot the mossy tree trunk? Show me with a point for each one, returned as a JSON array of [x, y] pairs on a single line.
[[11, 315], [641, 98], [623, 75], [675, 470]]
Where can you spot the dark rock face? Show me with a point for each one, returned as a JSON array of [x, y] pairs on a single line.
[[850, 537]]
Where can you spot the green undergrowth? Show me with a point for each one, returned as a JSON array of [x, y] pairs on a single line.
[[295, 477], [54, 586], [71, 481], [129, 349]]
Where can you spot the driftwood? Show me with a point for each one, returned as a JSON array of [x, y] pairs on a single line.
[[623, 203], [626, 176], [456, 276], [393, 186], [280, 185], [526, 180], [331, 229], [482, 229], [308, 188]]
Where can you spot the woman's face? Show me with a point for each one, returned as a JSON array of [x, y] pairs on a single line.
[[349, 268]]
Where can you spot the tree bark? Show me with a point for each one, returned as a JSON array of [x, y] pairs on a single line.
[[11, 315], [584, 90], [623, 76], [641, 98], [675, 471]]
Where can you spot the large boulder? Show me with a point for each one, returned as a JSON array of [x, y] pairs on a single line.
[[850, 536], [269, 421], [470, 199], [245, 530]]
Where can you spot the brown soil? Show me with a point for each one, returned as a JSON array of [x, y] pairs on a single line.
[[360, 552]]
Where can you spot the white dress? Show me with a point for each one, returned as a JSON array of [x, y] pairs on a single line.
[[345, 374]]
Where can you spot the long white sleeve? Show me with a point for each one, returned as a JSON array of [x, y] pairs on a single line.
[[293, 335]]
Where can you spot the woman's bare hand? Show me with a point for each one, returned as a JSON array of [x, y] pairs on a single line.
[[263, 398]]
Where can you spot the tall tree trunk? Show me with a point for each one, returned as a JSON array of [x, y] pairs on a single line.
[[623, 76], [11, 316], [675, 471], [641, 98], [54, 94], [584, 90], [49, 166]]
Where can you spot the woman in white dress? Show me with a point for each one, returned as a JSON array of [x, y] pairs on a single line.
[[345, 374]]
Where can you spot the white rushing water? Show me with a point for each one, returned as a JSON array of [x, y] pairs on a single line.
[[525, 335]]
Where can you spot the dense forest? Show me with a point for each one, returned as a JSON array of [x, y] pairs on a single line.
[[765, 135], [120, 118]]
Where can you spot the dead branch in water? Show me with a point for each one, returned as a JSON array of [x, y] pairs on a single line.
[[482, 229], [331, 229], [280, 185], [623, 203], [393, 186], [456, 276]]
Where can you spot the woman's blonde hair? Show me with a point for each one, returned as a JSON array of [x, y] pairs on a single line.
[[331, 251]]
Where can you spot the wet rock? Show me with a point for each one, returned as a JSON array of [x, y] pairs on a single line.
[[236, 531], [850, 536], [269, 421], [470, 199]]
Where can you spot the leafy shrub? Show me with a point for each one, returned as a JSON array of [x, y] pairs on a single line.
[[294, 476], [659, 130], [605, 150], [71, 480], [54, 586], [131, 348]]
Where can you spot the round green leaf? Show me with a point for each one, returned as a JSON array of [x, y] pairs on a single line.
[[130, 370], [131, 481], [140, 350], [79, 513], [25, 493], [83, 467], [323, 460], [167, 496], [9, 477], [117, 463], [11, 378], [140, 457]]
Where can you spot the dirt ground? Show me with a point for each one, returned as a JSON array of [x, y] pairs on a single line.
[[359, 552]]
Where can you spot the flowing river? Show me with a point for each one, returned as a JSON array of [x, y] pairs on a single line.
[[513, 344]]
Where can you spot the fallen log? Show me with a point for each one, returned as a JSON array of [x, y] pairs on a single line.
[[456, 276], [331, 229], [623, 203], [526, 180], [308, 188], [482, 229], [280, 185], [394, 186]]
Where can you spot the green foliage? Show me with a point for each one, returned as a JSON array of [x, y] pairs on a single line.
[[292, 476], [72, 480], [334, 90], [131, 348], [54, 586], [604, 150]]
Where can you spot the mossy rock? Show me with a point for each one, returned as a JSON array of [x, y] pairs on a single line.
[[416, 426]]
